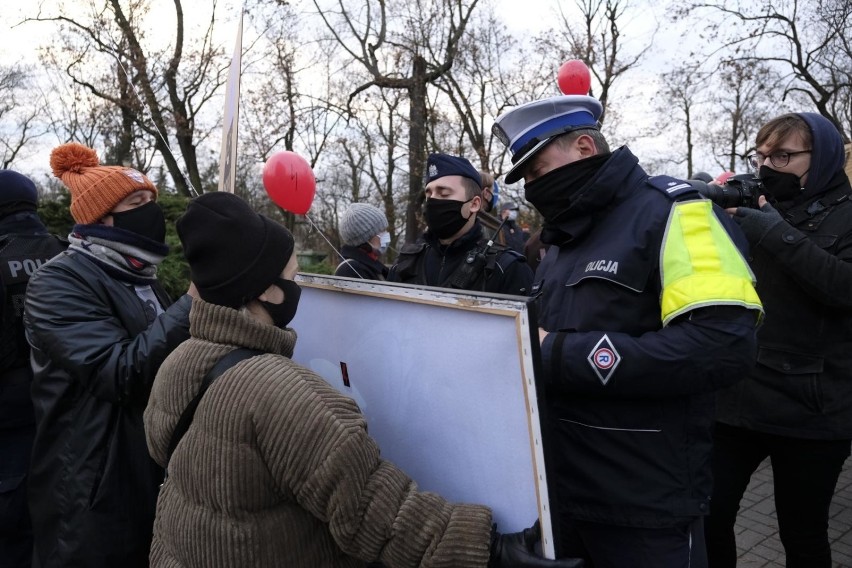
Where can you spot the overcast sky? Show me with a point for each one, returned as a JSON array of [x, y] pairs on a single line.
[[20, 42]]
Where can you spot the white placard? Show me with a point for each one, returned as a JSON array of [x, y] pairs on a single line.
[[445, 381]]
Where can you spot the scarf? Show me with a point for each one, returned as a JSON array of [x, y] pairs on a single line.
[[122, 254]]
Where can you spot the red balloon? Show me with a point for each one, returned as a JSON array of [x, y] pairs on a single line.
[[574, 78], [289, 181]]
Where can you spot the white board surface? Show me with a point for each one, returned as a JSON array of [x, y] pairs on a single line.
[[445, 381]]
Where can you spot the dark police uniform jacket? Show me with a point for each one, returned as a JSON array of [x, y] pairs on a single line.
[[644, 336], [24, 246], [93, 487], [430, 263], [802, 384]]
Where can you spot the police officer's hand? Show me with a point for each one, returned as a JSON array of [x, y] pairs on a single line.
[[756, 223], [518, 550]]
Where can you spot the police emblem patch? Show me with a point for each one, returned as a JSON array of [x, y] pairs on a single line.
[[604, 359], [433, 170]]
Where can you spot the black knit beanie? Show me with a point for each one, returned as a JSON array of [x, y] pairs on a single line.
[[234, 253]]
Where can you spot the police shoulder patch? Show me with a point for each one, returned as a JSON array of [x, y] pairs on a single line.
[[674, 188], [604, 359]]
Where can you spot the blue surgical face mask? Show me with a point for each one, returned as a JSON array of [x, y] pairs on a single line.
[[384, 241]]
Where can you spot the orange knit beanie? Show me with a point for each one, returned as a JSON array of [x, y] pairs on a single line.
[[95, 189]]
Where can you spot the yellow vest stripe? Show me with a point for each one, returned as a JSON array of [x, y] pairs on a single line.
[[700, 264]]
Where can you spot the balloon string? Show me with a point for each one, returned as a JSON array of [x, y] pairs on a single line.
[[147, 115], [314, 225]]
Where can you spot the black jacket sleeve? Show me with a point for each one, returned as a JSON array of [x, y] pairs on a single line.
[[702, 351]]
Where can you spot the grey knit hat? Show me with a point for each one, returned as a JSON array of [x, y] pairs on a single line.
[[360, 223]]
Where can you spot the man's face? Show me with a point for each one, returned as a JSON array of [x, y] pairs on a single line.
[[452, 187], [555, 155], [798, 156]]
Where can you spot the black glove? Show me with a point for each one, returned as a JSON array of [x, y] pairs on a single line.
[[516, 550], [756, 223]]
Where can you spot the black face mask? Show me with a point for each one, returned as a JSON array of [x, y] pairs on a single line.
[[487, 201], [444, 217], [780, 186], [146, 220], [554, 192], [283, 313]]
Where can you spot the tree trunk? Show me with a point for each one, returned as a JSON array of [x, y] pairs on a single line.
[[416, 148]]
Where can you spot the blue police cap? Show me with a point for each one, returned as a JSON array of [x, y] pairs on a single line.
[[527, 128], [440, 165]]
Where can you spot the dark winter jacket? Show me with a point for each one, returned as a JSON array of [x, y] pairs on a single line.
[[93, 486], [802, 384], [24, 246], [358, 264], [630, 401], [430, 263]]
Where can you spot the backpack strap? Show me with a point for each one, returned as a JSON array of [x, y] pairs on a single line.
[[226, 362]]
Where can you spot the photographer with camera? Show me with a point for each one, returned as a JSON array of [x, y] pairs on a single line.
[[454, 252], [796, 405]]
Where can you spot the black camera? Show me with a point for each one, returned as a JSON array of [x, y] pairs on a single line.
[[740, 190]]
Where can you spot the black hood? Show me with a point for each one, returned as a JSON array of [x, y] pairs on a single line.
[[827, 154]]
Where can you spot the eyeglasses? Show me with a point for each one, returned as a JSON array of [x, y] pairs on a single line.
[[777, 159]]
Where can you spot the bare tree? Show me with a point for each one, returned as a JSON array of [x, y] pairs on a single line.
[[597, 40], [807, 40], [160, 93], [741, 101], [678, 102], [492, 73], [404, 45], [20, 108]]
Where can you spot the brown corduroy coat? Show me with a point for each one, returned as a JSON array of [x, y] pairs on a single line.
[[277, 468]]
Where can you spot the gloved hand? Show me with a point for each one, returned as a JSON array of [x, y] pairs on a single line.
[[756, 223], [516, 550]]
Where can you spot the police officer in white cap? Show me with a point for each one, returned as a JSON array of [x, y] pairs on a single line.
[[647, 308]]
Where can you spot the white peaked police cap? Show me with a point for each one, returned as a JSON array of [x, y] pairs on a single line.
[[527, 128]]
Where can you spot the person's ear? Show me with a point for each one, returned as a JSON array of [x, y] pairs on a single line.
[[586, 146], [475, 204], [265, 296]]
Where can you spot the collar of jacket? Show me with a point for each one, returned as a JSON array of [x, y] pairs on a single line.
[[616, 178], [461, 245], [22, 223], [220, 324]]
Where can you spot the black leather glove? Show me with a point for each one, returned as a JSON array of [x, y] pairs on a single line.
[[517, 550], [756, 223]]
